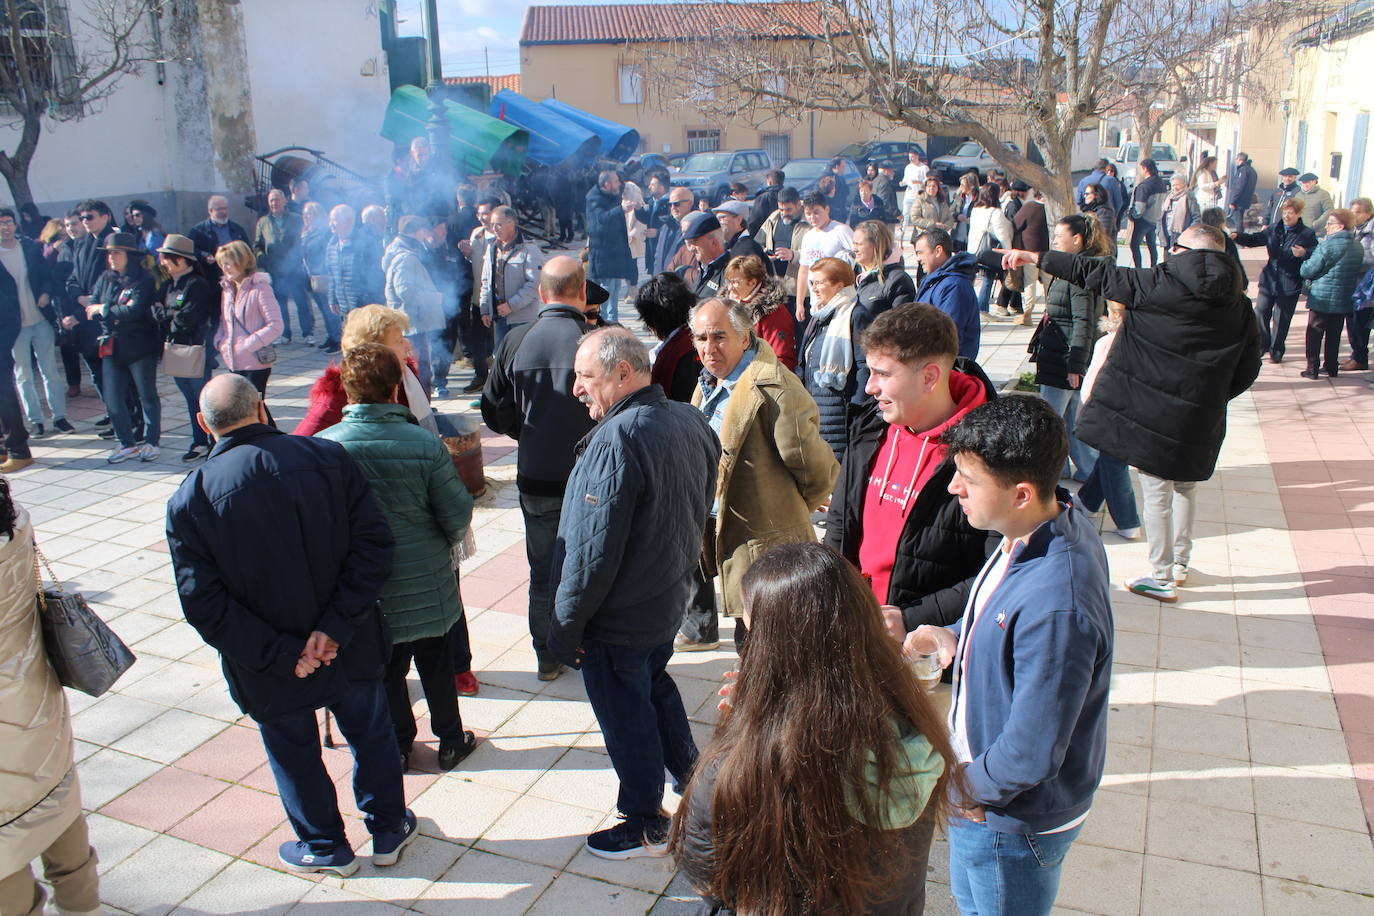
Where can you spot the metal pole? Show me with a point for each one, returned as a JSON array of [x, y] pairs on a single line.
[[430, 23]]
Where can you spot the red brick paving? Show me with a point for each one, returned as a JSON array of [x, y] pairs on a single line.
[[1316, 434]]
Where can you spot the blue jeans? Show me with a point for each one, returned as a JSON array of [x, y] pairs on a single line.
[[1005, 874], [642, 718], [1110, 480], [1143, 230], [333, 324], [1066, 402], [984, 290], [616, 287], [541, 533], [190, 389], [139, 376], [307, 792], [43, 339]]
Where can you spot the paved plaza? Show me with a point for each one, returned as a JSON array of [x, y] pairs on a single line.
[[1240, 772]]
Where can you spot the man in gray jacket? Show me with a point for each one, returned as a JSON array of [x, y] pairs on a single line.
[[510, 277], [628, 545], [410, 288]]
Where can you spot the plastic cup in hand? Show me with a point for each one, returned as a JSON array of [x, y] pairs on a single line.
[[924, 659]]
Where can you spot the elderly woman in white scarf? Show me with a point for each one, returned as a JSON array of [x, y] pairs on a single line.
[[830, 358]]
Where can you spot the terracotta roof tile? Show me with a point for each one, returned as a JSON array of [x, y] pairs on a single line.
[[509, 81], [634, 22]]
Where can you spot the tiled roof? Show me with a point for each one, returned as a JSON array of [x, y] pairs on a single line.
[[614, 23], [509, 81]]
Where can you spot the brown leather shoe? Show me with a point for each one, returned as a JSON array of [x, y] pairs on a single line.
[[73, 391], [13, 463], [1351, 366]]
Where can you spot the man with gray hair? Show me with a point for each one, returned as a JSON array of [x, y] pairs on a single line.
[[410, 288], [210, 235], [280, 552], [609, 262], [629, 542], [776, 468]]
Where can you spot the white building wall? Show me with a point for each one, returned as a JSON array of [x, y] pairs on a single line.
[[308, 61]]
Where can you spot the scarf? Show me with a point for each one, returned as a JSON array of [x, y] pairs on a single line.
[[835, 350]]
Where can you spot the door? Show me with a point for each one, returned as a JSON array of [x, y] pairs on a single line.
[[1357, 153]]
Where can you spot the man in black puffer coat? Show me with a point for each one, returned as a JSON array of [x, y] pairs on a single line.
[[892, 514], [1188, 345]]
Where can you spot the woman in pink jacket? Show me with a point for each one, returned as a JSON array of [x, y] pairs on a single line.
[[250, 318]]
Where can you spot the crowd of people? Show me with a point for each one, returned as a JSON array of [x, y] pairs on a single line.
[[802, 378]]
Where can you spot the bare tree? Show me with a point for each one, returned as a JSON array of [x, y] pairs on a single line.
[[46, 73], [988, 70]]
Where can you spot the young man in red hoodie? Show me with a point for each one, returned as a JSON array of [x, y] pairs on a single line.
[[892, 514]]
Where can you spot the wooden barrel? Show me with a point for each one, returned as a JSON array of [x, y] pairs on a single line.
[[466, 452]]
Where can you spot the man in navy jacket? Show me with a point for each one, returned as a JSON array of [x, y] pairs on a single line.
[[281, 552], [629, 541], [1032, 662]]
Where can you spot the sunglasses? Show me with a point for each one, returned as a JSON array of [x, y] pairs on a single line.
[[678, 203], [1179, 246], [87, 217]]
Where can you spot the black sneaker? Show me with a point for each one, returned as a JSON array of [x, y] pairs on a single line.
[[450, 755], [330, 346], [474, 386], [103, 421], [62, 426], [38, 431], [196, 452], [632, 838], [107, 434]]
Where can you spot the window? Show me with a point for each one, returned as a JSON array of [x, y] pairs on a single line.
[[631, 85], [757, 161], [778, 147], [703, 141], [46, 45]]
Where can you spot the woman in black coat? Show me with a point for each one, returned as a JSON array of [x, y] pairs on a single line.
[[190, 309], [130, 346], [1062, 346], [881, 285], [1280, 282]]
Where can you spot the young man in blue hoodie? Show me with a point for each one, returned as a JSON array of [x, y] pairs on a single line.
[[1032, 662]]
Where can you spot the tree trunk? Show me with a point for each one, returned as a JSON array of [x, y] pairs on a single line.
[[15, 166]]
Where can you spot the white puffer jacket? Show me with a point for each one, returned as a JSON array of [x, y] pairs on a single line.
[[37, 801]]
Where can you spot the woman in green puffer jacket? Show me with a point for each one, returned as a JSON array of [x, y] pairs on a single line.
[[1335, 269], [429, 510]]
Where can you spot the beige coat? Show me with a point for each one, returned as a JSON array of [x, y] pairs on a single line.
[[769, 230], [775, 469], [37, 799]]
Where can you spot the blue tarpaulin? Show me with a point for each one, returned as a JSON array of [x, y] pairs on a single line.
[[618, 142], [554, 139]]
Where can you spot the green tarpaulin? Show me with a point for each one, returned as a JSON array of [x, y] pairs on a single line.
[[479, 143]]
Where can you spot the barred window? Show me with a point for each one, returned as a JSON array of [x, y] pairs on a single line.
[[45, 46]]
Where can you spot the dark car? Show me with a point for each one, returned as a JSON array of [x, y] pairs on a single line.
[[880, 151], [803, 174]]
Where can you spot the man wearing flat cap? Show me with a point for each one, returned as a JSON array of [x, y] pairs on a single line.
[[1316, 203], [1288, 186], [733, 216], [703, 236]]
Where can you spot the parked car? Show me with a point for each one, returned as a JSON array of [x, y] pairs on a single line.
[[710, 175], [675, 161], [969, 156], [1166, 160], [803, 174], [880, 151]]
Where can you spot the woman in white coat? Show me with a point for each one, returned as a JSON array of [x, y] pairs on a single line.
[[40, 797]]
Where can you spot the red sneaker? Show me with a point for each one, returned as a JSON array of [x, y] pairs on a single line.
[[466, 684]]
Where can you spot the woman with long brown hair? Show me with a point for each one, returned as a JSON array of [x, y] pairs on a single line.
[[820, 791]]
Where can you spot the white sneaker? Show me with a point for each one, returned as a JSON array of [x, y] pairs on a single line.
[[148, 452], [310, 340], [122, 454], [1129, 534], [1151, 587], [1180, 574]]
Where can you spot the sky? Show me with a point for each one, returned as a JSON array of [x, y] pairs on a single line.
[[466, 27]]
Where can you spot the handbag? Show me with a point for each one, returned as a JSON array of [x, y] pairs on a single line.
[[184, 360], [266, 355], [83, 650]]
